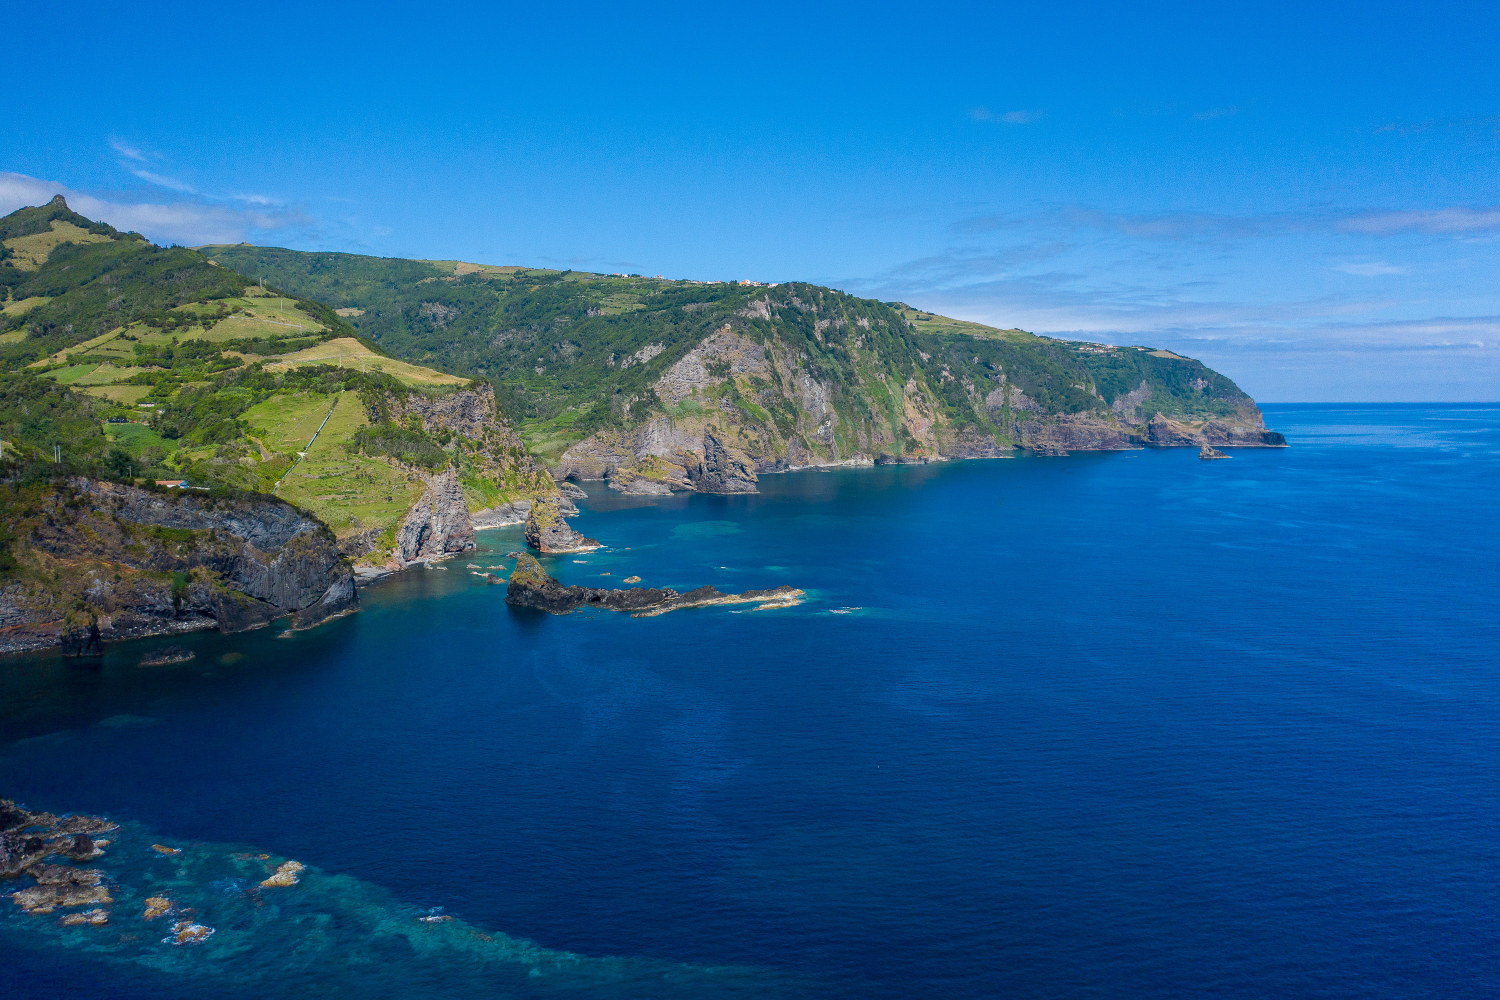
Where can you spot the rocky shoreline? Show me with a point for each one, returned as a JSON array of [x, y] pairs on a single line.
[[98, 561], [531, 586]]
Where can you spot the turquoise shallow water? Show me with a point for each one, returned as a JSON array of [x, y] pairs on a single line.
[[1118, 725]]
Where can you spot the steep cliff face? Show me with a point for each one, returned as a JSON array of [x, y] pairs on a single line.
[[489, 478], [792, 383], [438, 525], [92, 561]]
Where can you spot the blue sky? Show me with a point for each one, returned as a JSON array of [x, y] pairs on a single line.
[[1304, 198]]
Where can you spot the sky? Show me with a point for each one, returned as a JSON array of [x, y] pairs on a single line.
[[1304, 196]]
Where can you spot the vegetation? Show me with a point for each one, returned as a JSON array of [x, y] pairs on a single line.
[[569, 352]]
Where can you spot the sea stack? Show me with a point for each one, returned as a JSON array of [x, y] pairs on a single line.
[[546, 531]]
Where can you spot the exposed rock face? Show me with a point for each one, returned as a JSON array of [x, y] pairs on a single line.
[[438, 524], [83, 641], [546, 530], [655, 476], [533, 587], [502, 516], [1209, 452], [1248, 432], [1076, 433], [725, 468], [138, 562]]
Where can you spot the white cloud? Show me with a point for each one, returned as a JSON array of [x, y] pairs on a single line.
[[166, 182], [1371, 270], [127, 151], [983, 114], [187, 222], [1438, 220]]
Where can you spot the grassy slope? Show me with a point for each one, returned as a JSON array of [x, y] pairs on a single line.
[[238, 376], [552, 343]]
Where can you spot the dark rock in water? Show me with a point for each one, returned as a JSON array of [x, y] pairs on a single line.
[[79, 847], [18, 851], [533, 587], [1208, 452], [546, 531], [167, 654], [83, 640], [1047, 449]]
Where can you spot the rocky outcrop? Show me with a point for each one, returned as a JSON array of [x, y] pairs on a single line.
[[546, 530], [533, 587], [724, 468], [1248, 431], [28, 838], [438, 525], [1077, 432], [129, 562], [502, 516], [1209, 453], [654, 475]]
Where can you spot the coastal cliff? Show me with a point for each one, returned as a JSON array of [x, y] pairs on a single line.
[[659, 385], [755, 397], [89, 561]]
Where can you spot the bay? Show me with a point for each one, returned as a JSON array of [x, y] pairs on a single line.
[[1129, 724]]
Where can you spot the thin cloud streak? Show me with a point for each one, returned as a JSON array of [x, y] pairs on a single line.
[[1190, 226], [167, 182], [984, 114]]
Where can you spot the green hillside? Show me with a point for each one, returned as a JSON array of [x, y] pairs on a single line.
[[122, 359], [573, 354]]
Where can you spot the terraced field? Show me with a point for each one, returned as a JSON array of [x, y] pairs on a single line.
[[347, 492]]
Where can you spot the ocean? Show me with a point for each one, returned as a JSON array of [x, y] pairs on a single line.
[[1118, 725]]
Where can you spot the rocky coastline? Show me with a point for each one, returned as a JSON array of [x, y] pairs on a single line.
[[99, 561], [531, 586]]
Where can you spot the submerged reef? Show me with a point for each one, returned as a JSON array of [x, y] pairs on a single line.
[[533, 587], [227, 921]]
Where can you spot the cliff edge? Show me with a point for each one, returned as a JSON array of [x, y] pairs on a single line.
[[89, 561]]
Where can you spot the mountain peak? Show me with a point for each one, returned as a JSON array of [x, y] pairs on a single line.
[[58, 201]]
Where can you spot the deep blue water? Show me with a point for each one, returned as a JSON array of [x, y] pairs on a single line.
[[1124, 725]]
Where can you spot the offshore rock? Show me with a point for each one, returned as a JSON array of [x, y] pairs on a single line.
[[167, 655], [438, 524], [533, 587], [546, 531], [62, 886], [1209, 452], [135, 562]]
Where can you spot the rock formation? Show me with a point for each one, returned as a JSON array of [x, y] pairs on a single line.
[[1208, 452], [546, 531], [438, 524], [533, 587], [131, 562], [724, 469]]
